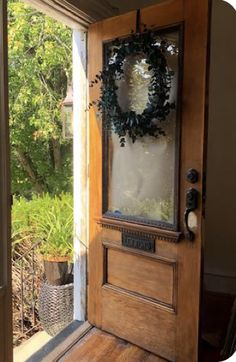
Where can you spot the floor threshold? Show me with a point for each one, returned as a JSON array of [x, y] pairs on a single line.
[[81, 341], [100, 346], [54, 350]]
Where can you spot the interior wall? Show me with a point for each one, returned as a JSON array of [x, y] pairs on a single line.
[[220, 239]]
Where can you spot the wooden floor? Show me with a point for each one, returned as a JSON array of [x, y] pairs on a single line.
[[98, 346]]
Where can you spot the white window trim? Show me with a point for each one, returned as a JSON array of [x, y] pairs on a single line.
[[71, 16], [62, 11], [80, 173]]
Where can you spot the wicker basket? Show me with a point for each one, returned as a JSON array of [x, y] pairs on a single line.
[[56, 307]]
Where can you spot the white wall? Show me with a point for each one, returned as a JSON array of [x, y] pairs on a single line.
[[220, 236]]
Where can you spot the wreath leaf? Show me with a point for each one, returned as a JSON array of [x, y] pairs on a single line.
[[158, 107]]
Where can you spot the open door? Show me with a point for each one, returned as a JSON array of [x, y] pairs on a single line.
[[5, 248], [146, 197]]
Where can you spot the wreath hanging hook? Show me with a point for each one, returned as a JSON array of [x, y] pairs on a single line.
[[138, 21]]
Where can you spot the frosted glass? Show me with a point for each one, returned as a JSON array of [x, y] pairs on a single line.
[[141, 175], [133, 88]]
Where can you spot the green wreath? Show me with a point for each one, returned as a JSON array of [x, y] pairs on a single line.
[[129, 123]]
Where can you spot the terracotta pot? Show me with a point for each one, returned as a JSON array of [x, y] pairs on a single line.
[[58, 271]]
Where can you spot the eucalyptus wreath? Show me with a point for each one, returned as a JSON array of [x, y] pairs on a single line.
[[129, 123]]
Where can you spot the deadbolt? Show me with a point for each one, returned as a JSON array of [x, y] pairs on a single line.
[[192, 176]]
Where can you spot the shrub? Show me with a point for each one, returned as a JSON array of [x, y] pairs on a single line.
[[45, 218], [32, 220], [54, 225]]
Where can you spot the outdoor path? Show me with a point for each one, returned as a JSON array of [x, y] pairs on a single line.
[[29, 347]]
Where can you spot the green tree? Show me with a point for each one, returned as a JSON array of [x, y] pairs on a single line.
[[40, 59]]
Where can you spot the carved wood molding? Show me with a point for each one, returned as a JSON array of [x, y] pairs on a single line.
[[140, 230], [144, 299]]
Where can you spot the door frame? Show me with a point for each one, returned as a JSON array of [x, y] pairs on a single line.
[[5, 199]]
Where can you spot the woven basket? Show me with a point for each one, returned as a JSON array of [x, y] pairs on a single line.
[[56, 307]]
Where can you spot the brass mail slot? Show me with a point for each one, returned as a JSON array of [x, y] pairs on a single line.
[[144, 242]]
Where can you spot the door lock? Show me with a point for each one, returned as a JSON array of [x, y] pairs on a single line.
[[191, 205], [192, 176]]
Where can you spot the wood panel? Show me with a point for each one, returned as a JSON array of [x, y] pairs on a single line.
[[163, 248], [130, 317], [2, 347], [124, 225], [118, 26], [196, 15], [117, 308], [165, 14], [62, 344], [148, 277]]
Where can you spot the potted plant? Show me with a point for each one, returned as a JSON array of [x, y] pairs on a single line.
[[54, 226]]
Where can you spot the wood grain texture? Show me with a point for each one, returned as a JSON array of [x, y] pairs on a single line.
[[2, 346], [170, 334], [118, 26], [159, 233], [98, 33], [98, 346], [163, 248], [164, 14], [66, 344], [147, 277], [196, 15], [146, 324]]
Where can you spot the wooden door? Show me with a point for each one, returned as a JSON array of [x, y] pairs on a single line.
[[144, 266], [5, 258]]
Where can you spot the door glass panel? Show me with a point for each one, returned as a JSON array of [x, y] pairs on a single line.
[[141, 178], [133, 87]]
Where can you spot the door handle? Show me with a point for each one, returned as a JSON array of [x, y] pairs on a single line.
[[191, 205]]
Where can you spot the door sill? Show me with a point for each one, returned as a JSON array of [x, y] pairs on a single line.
[[74, 344], [101, 346], [63, 342]]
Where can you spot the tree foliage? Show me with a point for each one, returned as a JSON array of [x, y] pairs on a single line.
[[40, 59]]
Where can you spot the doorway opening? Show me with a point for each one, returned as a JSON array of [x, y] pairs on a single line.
[[41, 56], [112, 243]]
